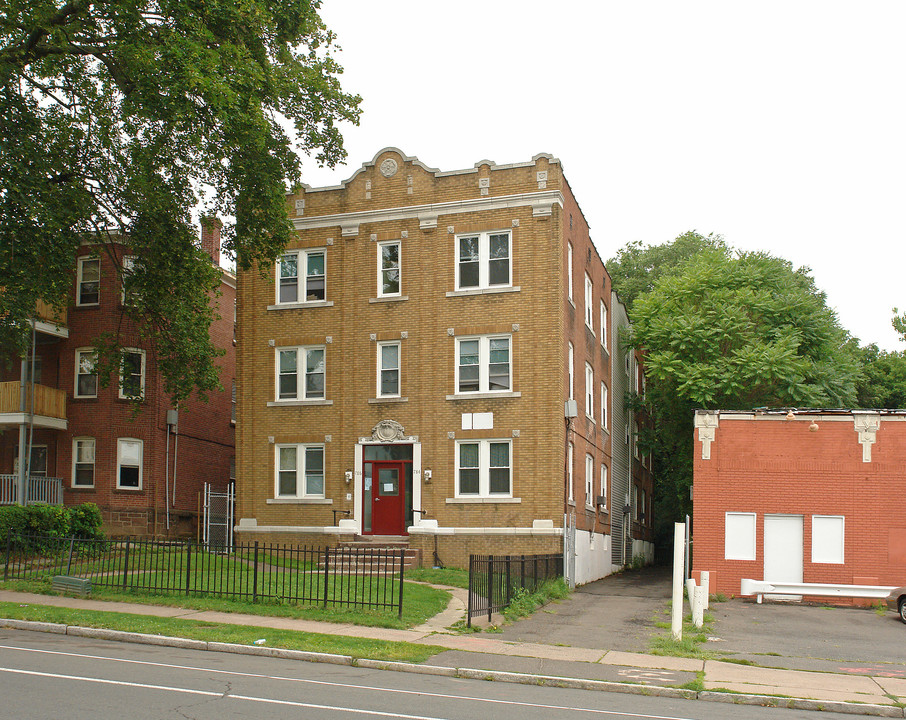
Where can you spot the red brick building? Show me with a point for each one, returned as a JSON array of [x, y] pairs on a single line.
[[800, 496], [144, 467]]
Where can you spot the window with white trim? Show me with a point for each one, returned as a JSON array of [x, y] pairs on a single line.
[[129, 460], [569, 472], [86, 374], [570, 370], [635, 439], [483, 260], [301, 373], [589, 304], [483, 364], [739, 536], [299, 471], [603, 322], [569, 270], [83, 450], [484, 468], [128, 268], [589, 480], [132, 374], [827, 538], [388, 370], [603, 405], [301, 276], [88, 291], [589, 391], [604, 484], [388, 270]]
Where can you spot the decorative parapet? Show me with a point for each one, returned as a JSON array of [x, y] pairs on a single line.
[[706, 422]]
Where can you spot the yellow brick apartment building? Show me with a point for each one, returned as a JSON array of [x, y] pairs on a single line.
[[406, 370]]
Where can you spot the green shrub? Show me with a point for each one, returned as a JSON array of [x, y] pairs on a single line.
[[85, 521], [49, 521]]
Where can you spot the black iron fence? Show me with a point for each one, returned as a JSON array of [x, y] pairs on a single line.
[[494, 580], [352, 577]]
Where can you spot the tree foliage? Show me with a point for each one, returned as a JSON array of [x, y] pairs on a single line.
[[122, 116], [883, 381]]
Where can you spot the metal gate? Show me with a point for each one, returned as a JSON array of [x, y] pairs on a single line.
[[218, 518]]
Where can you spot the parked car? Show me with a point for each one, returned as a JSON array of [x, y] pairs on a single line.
[[896, 601]]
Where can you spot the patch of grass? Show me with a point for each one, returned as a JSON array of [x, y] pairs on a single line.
[[525, 603], [454, 577], [689, 646], [420, 602], [698, 685], [717, 597], [221, 632], [738, 661]]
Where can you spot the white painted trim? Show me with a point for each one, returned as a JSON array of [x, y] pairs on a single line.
[[295, 403], [41, 421], [484, 291], [300, 501], [388, 298], [468, 500], [506, 531], [485, 396], [483, 204], [51, 329], [298, 305]]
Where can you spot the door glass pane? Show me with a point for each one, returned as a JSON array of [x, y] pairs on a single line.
[[366, 504], [388, 482]]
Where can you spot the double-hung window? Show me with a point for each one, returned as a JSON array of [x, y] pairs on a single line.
[[483, 364], [132, 374], [603, 321], [589, 391], [89, 281], [83, 462], [301, 277], [484, 468], [483, 260], [604, 484], [129, 454], [603, 405], [388, 371], [86, 382], [299, 471], [570, 370], [300, 373], [589, 480], [589, 304], [128, 294], [388, 280], [569, 270]]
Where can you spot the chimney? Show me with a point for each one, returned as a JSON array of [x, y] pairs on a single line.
[[210, 237]]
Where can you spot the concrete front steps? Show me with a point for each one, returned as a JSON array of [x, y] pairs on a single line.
[[374, 553]]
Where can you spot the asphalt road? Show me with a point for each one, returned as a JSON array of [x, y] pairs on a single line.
[[47, 676]]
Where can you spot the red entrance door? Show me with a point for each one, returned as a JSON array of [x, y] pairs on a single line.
[[388, 499]]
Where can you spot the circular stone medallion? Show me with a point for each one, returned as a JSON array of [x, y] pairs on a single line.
[[389, 167]]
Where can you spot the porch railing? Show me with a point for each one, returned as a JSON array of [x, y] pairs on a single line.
[[40, 489], [49, 402]]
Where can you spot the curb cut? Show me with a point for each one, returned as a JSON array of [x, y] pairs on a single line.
[[466, 673]]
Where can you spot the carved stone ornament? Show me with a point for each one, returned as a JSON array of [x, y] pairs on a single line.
[[388, 431], [389, 167], [867, 425], [706, 423]]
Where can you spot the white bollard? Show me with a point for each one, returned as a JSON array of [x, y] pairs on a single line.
[[706, 586], [698, 607], [676, 611]]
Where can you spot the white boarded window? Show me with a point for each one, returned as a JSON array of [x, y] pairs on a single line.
[[827, 538], [739, 536]]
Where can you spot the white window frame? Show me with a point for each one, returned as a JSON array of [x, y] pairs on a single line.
[[569, 270], [635, 439], [80, 280], [589, 304], [484, 468], [128, 267], [740, 543], [604, 484], [589, 392], [120, 464], [589, 480], [603, 405], [301, 276], [484, 351], [381, 369], [381, 269], [828, 539], [77, 442], [301, 470], [570, 453], [302, 352], [603, 322], [570, 369], [141, 393], [484, 260], [78, 366]]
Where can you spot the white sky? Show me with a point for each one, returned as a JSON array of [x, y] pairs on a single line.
[[779, 125]]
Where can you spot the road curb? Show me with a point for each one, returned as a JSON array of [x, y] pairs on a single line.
[[466, 673]]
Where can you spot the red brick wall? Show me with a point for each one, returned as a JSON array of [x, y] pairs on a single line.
[[770, 465]]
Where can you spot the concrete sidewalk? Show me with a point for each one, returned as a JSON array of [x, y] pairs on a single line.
[[482, 655]]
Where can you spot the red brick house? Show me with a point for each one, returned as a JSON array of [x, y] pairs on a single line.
[[145, 468], [814, 496]]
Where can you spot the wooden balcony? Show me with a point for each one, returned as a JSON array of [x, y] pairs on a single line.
[[51, 321], [49, 409]]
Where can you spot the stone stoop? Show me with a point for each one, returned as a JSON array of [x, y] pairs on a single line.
[[365, 553]]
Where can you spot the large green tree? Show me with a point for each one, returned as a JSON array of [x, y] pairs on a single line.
[[123, 117], [883, 380], [728, 330]]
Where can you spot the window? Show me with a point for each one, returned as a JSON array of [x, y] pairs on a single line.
[[603, 321], [589, 391], [569, 472], [570, 365], [569, 270], [635, 439], [37, 465], [299, 471], [132, 374], [388, 372], [86, 384], [603, 405], [300, 373], [129, 464], [33, 370], [89, 281], [739, 536], [483, 260], [127, 271], [233, 402], [483, 364], [604, 485], [83, 462], [589, 304], [589, 480], [483, 469], [310, 286], [827, 538], [388, 280]]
